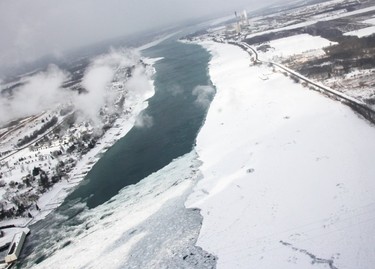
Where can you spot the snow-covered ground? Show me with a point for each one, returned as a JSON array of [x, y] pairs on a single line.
[[288, 173], [357, 84], [122, 126], [55, 196], [297, 44], [312, 21], [362, 32], [145, 226], [370, 21]]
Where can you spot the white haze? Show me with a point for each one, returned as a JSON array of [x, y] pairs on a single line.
[[31, 29], [97, 80], [40, 92], [175, 90], [144, 121], [203, 95], [138, 83], [44, 91]]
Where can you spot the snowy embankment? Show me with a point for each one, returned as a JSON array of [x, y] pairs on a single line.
[[122, 126], [146, 225], [52, 199], [297, 44], [288, 173], [137, 103]]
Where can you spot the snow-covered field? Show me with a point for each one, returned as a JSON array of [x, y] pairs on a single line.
[[362, 32], [370, 21], [288, 173], [297, 44], [312, 21]]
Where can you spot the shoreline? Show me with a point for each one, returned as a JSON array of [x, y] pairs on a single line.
[[148, 214], [285, 146], [52, 199]]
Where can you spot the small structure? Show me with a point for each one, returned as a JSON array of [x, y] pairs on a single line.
[[338, 70], [242, 21], [15, 247], [231, 30]]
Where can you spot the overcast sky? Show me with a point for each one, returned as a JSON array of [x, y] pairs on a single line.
[[32, 28]]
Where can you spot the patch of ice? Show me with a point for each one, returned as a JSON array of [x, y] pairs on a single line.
[[284, 169]]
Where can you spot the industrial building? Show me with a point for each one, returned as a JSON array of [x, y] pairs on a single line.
[[15, 247]]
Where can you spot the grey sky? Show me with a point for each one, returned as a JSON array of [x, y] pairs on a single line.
[[32, 28]]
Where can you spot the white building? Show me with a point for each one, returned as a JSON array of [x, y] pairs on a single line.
[[242, 21], [15, 248]]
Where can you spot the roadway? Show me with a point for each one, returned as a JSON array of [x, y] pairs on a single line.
[[359, 106]]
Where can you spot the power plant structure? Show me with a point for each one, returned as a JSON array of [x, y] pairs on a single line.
[[241, 23]]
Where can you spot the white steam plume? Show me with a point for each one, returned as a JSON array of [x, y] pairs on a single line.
[[97, 81], [204, 95], [175, 90], [139, 83], [40, 92], [44, 91], [144, 121]]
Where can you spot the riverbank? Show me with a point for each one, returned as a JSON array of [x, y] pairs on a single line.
[[141, 221], [291, 185], [146, 225], [54, 197]]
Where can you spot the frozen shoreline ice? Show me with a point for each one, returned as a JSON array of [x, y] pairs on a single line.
[[146, 225], [52, 199], [287, 173]]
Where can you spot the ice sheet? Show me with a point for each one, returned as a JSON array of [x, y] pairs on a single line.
[[288, 173]]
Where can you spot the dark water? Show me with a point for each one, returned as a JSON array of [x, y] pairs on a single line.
[[176, 122]]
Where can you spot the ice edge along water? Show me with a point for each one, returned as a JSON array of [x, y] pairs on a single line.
[[52, 199], [287, 173], [49, 201], [278, 191], [122, 126], [145, 226]]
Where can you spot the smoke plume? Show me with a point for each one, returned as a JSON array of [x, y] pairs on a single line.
[[203, 95], [144, 121], [40, 92], [44, 91]]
